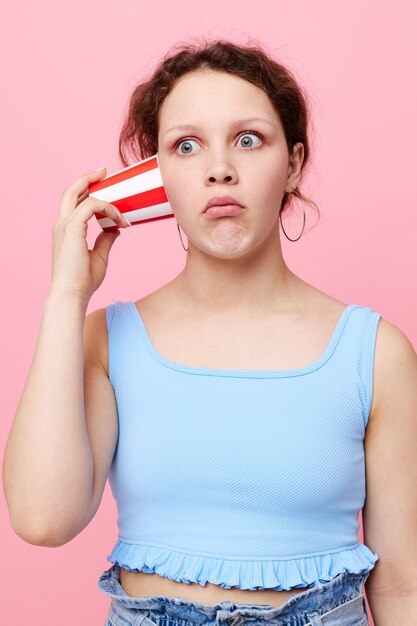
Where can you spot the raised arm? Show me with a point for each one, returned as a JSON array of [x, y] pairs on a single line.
[[55, 457]]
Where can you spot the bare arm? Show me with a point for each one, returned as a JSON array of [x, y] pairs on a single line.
[[58, 451], [48, 464], [390, 511]]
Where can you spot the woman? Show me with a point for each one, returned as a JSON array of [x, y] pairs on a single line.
[[231, 409]]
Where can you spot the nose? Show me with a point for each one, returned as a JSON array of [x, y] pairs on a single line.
[[221, 171], [226, 178]]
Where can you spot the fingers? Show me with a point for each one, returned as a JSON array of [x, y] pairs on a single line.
[[90, 206], [82, 197], [104, 243], [71, 195], [87, 208]]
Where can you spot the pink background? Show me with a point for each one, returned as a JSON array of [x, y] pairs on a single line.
[[68, 71]]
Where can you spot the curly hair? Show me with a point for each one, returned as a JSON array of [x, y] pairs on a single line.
[[139, 133]]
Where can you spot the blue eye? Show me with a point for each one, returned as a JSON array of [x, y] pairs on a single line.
[[185, 141], [250, 132], [189, 141]]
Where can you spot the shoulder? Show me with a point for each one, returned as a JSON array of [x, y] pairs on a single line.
[[395, 367], [96, 336]]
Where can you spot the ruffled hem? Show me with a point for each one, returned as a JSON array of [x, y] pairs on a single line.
[[277, 575]]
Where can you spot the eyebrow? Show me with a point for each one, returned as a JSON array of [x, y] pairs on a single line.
[[236, 123]]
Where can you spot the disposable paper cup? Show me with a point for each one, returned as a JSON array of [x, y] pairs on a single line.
[[137, 191]]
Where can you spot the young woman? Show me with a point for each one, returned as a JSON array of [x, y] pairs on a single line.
[[235, 409]]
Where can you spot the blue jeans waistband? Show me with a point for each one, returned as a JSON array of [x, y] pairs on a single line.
[[319, 599]]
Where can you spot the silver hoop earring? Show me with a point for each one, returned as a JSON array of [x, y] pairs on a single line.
[[304, 223], [179, 232]]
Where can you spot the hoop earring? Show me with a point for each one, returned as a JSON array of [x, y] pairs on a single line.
[[304, 223], [179, 232]]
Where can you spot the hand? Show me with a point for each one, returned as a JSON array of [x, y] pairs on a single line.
[[75, 268]]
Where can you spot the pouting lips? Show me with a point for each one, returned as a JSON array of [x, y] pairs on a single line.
[[226, 210]]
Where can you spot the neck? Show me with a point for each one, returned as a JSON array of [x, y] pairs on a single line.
[[257, 282]]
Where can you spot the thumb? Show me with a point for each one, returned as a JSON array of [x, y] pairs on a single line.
[[104, 242]]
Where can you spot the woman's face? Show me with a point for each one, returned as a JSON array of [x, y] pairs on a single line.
[[224, 152]]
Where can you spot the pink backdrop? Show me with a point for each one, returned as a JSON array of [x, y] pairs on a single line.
[[67, 73]]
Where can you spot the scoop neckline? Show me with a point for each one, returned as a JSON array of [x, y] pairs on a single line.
[[206, 371]]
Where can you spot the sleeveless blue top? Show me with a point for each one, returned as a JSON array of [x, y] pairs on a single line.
[[241, 478]]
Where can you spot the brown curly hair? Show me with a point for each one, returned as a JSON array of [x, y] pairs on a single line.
[[139, 133]]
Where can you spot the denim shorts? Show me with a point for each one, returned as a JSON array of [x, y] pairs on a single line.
[[339, 602]]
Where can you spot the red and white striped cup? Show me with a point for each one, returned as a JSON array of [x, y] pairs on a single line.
[[137, 191]]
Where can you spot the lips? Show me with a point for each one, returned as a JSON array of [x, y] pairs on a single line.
[[223, 206], [225, 210], [221, 200]]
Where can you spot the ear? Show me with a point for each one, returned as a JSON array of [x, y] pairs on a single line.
[[294, 167]]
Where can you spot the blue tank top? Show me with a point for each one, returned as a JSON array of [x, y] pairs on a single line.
[[241, 478]]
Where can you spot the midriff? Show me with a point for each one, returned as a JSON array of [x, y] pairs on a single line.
[[141, 584]]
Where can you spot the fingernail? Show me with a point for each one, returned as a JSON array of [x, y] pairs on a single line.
[[120, 214]]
